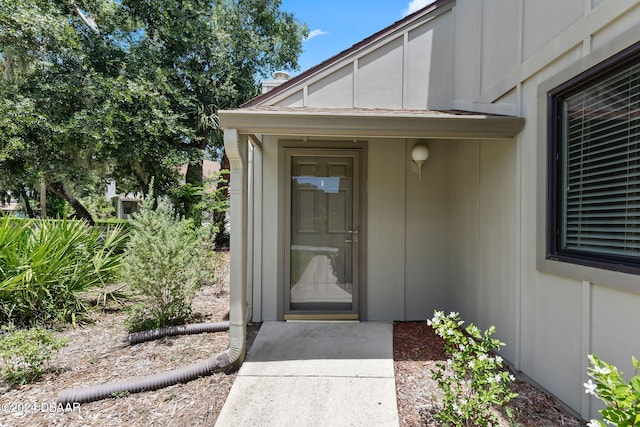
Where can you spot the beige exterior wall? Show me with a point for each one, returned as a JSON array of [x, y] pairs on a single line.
[[485, 238], [467, 237], [408, 249], [550, 316], [427, 231], [409, 68], [439, 243], [386, 246]]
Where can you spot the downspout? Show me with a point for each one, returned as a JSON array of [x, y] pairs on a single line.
[[233, 356], [250, 230], [236, 150]]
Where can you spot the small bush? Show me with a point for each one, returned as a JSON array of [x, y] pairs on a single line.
[[478, 382], [622, 399], [26, 353], [165, 266]]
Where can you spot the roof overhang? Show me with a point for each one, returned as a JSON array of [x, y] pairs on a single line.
[[370, 123]]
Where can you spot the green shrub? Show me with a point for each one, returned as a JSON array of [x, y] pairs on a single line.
[[478, 382], [99, 207], [207, 203], [622, 399], [165, 265], [46, 266], [26, 353]]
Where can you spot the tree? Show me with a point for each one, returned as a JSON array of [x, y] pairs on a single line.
[[50, 86], [96, 89], [210, 54]]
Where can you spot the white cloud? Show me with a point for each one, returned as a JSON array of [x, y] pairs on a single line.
[[315, 33], [416, 5]]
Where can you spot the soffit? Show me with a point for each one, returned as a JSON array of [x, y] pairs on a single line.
[[370, 123]]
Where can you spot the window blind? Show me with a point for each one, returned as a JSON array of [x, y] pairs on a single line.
[[601, 166]]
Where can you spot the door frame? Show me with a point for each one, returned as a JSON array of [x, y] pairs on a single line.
[[359, 200]]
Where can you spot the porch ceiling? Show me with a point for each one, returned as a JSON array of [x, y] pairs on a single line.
[[370, 123]]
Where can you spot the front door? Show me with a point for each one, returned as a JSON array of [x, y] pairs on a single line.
[[322, 243]]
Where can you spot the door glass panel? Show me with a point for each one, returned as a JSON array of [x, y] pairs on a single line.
[[322, 238]]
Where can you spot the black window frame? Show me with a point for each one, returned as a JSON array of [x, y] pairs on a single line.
[[555, 164]]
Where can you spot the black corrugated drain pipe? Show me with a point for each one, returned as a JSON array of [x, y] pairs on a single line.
[[194, 328], [236, 150], [220, 362]]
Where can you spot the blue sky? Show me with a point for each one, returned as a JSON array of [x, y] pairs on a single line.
[[336, 25]]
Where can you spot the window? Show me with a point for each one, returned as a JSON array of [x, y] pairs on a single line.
[[594, 166]]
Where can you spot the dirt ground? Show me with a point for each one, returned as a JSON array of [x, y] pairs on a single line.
[[99, 353]]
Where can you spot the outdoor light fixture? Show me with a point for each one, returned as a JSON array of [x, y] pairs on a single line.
[[419, 155]]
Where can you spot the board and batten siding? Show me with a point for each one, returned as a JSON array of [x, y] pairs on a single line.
[[409, 253], [467, 237], [408, 245], [485, 239], [407, 69], [503, 62]]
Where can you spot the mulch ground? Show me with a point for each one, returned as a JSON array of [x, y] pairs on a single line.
[[98, 353], [417, 350]]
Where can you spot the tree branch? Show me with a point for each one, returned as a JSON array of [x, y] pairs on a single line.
[[88, 20]]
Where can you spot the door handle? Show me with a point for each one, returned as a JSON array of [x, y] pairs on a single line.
[[354, 233]]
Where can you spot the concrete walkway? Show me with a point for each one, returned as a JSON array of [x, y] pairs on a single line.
[[315, 374]]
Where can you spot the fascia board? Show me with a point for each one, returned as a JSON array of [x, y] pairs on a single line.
[[438, 125]]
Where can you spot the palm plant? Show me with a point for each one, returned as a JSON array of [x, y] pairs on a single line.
[[47, 265]]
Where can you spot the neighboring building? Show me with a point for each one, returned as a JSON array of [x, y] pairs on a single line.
[[525, 215], [10, 207], [209, 169], [128, 204], [124, 204]]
